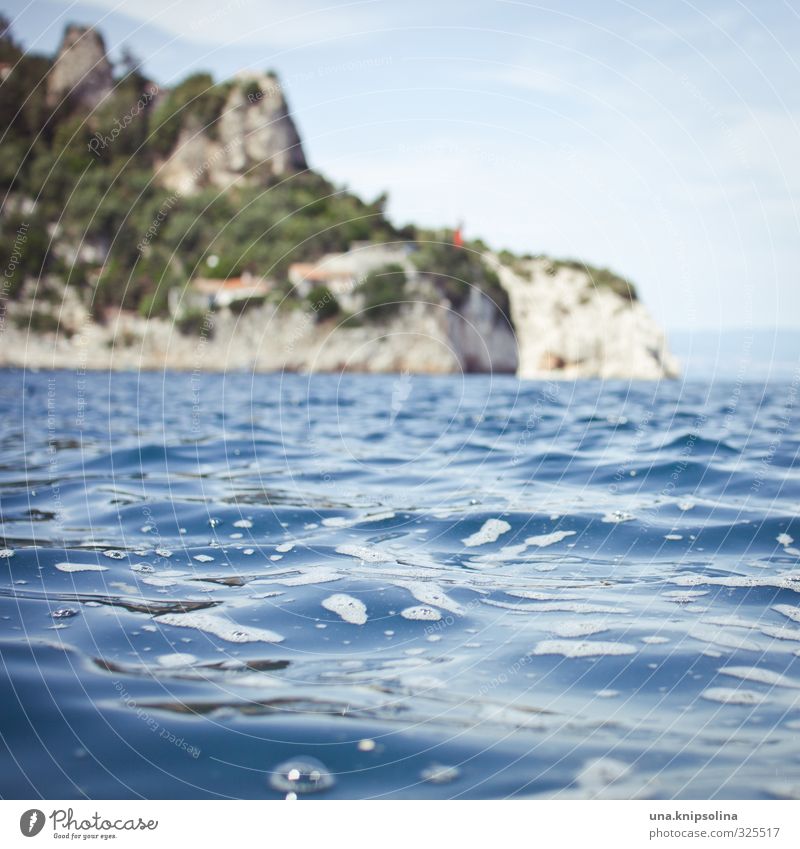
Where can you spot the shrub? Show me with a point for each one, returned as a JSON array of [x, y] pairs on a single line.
[[252, 91], [196, 323], [323, 302], [383, 291], [600, 278], [242, 306], [39, 321], [455, 270], [197, 100]]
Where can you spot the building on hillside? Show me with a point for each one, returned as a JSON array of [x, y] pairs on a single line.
[[343, 272], [207, 293]]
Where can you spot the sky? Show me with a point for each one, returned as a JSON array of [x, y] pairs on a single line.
[[659, 139]]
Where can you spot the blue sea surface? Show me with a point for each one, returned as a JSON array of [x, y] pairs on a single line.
[[397, 586]]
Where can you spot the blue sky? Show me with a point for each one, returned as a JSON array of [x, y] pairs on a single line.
[[658, 138]]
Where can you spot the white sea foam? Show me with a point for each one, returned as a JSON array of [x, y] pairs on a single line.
[[158, 581], [490, 531], [684, 597], [351, 609], [175, 660], [788, 610], [220, 627], [549, 539], [337, 522], [579, 628], [617, 516], [313, 575], [378, 517], [785, 581], [534, 595], [782, 632], [80, 567], [582, 648], [555, 607], [362, 552], [731, 696], [718, 637], [598, 774], [730, 621], [421, 613], [429, 593], [761, 676]]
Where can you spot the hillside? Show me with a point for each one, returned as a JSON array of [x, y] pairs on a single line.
[[140, 219]]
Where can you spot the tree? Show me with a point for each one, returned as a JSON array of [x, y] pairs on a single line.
[[324, 303], [383, 291]]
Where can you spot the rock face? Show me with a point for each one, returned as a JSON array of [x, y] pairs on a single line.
[[81, 69], [561, 325], [480, 336], [563, 331], [567, 327], [417, 340], [564, 328], [256, 139]]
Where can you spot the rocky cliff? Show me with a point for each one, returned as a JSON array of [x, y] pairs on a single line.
[[564, 327], [254, 139], [108, 240], [81, 70], [569, 325]]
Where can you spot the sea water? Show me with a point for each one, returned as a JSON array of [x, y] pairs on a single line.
[[282, 586]]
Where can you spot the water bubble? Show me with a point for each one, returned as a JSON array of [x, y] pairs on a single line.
[[114, 554], [301, 775]]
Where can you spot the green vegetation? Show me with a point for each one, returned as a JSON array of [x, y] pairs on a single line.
[[94, 216], [146, 238], [252, 91], [39, 321], [456, 270], [601, 278], [196, 323], [383, 291], [245, 304], [196, 103], [323, 303]]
